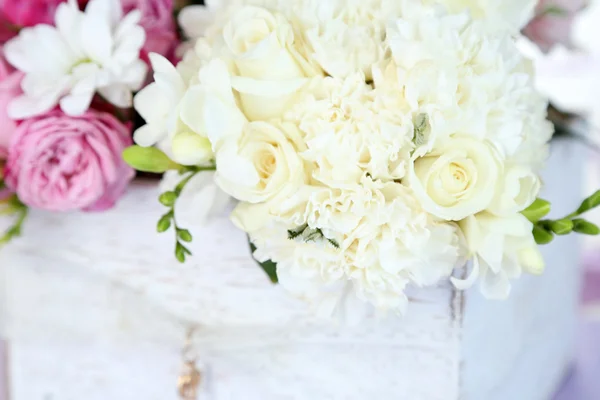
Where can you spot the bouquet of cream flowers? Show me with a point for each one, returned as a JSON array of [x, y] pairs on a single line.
[[370, 145]]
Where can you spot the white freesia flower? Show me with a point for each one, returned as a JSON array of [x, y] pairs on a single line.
[[457, 179], [87, 52], [193, 117], [517, 190], [158, 103], [503, 247], [259, 165], [200, 201], [194, 19]]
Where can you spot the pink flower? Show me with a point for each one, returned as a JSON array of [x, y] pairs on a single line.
[[61, 163], [159, 24], [29, 12], [553, 21], [10, 87]]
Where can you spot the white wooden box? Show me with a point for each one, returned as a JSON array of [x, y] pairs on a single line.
[[95, 308]]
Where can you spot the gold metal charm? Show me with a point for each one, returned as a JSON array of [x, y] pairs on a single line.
[[189, 381]]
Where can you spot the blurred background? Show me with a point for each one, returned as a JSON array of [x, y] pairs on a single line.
[[564, 41]]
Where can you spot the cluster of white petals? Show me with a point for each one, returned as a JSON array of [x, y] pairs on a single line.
[[371, 145], [86, 52]]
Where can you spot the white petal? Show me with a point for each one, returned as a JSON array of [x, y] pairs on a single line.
[[118, 94], [25, 107], [147, 135], [76, 104]]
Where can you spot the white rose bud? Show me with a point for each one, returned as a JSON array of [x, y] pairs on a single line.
[[270, 68], [517, 191], [457, 179], [259, 165], [190, 148]]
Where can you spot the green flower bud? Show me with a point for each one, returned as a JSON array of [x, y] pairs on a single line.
[[590, 203], [185, 235], [164, 223], [541, 235], [585, 227], [148, 159], [168, 199], [562, 226], [538, 210]]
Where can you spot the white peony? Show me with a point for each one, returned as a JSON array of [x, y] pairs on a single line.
[[502, 248], [457, 179], [87, 52], [259, 165]]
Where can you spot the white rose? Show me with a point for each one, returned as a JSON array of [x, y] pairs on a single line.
[[269, 67], [516, 191], [503, 247], [259, 165], [457, 179]]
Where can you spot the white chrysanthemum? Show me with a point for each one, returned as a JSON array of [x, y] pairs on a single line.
[[93, 51], [499, 15], [348, 132]]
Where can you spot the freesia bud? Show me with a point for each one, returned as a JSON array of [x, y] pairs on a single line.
[[191, 149]]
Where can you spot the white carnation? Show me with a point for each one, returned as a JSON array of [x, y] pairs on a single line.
[[345, 36], [348, 132], [87, 52]]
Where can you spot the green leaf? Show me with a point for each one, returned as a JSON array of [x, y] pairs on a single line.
[[148, 159], [269, 267], [164, 223], [541, 235], [168, 199], [585, 227], [538, 210], [562, 226], [590, 203], [184, 235]]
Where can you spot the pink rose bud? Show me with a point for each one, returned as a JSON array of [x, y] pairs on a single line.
[[62, 163], [159, 24], [553, 21]]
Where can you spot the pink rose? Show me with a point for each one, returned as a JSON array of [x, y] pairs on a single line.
[[553, 21], [29, 12], [61, 163], [10, 87], [159, 24]]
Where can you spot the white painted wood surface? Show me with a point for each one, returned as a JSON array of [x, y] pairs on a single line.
[[95, 308]]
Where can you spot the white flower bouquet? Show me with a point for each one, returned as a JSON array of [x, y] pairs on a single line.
[[370, 145]]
